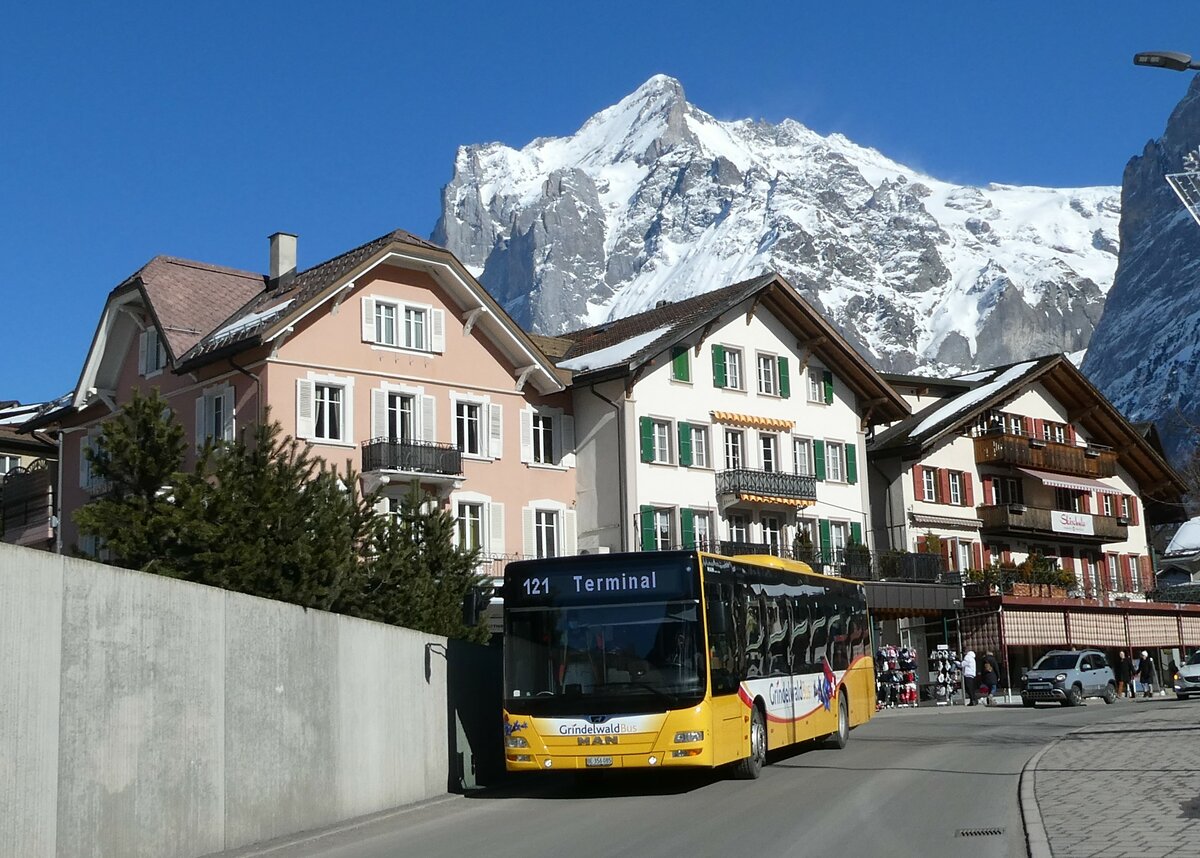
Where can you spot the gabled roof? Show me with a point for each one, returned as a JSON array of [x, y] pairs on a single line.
[[1086, 406], [622, 347]]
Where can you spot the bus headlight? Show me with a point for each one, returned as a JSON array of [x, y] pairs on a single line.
[[516, 742], [689, 736]]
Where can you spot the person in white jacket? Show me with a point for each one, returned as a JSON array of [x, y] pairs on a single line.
[[970, 684]]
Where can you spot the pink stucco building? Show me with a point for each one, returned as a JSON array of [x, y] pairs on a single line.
[[390, 356]]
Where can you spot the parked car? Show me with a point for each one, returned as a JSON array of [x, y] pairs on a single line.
[[1069, 676], [1187, 678]]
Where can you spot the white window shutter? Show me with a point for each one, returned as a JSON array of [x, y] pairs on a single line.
[[528, 536], [437, 325], [368, 320], [378, 413], [229, 426], [85, 470], [495, 430], [348, 412], [306, 414], [142, 337], [526, 435], [567, 457], [496, 528], [201, 411], [428, 419], [570, 538]]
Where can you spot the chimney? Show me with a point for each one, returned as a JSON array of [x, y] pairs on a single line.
[[283, 261]]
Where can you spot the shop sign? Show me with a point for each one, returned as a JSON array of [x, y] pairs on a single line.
[[1071, 522]]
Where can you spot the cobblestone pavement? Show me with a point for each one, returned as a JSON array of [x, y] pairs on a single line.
[[1130, 787]]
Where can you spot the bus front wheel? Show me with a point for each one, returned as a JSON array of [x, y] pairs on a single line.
[[839, 737], [751, 767]]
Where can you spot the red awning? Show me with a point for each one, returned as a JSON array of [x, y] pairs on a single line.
[[1064, 481]]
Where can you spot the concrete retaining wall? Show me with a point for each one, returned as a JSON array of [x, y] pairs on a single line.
[[142, 716]]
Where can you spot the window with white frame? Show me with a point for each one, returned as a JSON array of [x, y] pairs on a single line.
[[834, 457], [662, 441], [962, 554], [700, 457], [415, 336], [330, 412], [772, 527], [545, 528], [955, 480], [401, 417], [929, 485], [1006, 490], [543, 439], [1106, 503], [152, 354], [768, 369], [739, 527], [663, 529], [468, 427], [214, 414], [733, 369], [1068, 500], [839, 533], [385, 324], [1016, 424], [1114, 573], [802, 462], [396, 324], [768, 447], [8, 463], [816, 386], [470, 525], [702, 527], [1125, 506], [733, 449]]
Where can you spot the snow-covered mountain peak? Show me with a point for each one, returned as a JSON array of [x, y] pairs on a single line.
[[652, 198]]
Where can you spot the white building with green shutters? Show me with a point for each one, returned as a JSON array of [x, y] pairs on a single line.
[[733, 421]]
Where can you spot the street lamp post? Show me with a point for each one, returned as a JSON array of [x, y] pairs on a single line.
[[1173, 60]]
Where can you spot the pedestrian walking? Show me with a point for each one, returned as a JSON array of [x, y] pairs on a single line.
[[1172, 672], [989, 673], [1123, 671], [970, 684], [1148, 675]]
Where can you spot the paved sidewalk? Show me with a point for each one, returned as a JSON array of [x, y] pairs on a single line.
[[1130, 787]]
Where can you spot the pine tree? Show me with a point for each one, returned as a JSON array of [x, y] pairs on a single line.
[[137, 458]]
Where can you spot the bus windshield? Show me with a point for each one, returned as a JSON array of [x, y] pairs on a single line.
[[590, 637]]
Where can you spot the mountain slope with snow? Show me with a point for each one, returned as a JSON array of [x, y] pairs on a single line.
[[653, 199]]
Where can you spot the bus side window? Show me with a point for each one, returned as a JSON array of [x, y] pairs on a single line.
[[722, 649], [756, 636], [780, 633], [801, 630]]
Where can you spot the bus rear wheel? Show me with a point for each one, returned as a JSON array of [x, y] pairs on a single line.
[[751, 767], [841, 736]]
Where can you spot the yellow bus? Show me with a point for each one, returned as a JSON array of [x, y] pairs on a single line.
[[678, 659]]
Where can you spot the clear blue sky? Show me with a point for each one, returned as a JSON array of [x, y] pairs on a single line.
[[195, 130]]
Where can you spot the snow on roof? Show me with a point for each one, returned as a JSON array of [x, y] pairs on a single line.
[[971, 397], [16, 414], [251, 320], [982, 375], [615, 354], [1186, 540]]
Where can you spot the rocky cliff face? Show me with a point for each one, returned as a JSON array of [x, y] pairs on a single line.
[[1145, 354], [653, 199]]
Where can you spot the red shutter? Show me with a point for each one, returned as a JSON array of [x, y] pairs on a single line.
[[1070, 434], [1006, 556], [920, 544], [1087, 502], [1028, 426], [1147, 572], [949, 556], [1126, 574], [943, 478], [1133, 509], [919, 482], [968, 489], [1039, 428], [989, 494], [987, 555], [977, 553], [1068, 559]]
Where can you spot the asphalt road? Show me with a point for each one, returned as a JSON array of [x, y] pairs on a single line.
[[907, 784]]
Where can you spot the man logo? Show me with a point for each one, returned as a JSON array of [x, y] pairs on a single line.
[[597, 719], [597, 740]]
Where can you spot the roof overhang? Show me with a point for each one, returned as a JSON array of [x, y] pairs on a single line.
[[115, 323]]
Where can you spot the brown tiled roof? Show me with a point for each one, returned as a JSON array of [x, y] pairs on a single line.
[[189, 299], [679, 318], [306, 285], [552, 347]]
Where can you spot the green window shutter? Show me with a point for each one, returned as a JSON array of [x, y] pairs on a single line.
[[826, 539], [681, 368], [685, 444], [856, 533], [819, 459], [718, 354], [647, 528], [647, 427], [851, 464], [785, 381], [828, 387], [687, 527]]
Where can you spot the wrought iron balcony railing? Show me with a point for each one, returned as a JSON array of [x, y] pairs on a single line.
[[416, 457], [767, 484]]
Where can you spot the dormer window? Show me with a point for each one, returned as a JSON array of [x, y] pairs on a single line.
[[401, 325]]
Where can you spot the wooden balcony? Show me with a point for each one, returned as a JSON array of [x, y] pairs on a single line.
[[1023, 451], [1020, 520]]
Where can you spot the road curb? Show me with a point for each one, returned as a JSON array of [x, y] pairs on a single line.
[[1037, 842]]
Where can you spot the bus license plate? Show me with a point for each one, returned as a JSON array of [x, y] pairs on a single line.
[[599, 761]]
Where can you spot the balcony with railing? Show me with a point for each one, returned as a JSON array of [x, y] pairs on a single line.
[[767, 484], [851, 562], [1003, 448], [1019, 519], [427, 460], [27, 505]]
